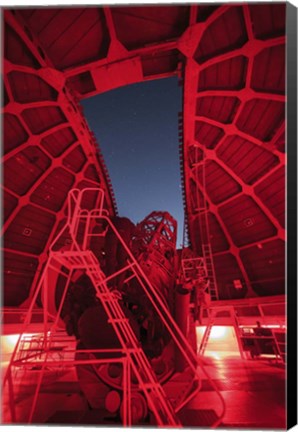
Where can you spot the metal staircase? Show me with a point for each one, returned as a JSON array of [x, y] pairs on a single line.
[[78, 255], [156, 398]]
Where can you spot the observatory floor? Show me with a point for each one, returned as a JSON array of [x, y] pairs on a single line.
[[253, 390]]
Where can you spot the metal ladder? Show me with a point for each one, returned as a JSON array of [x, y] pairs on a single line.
[[205, 338], [202, 210], [208, 259]]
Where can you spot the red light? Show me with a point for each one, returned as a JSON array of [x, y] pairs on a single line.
[[218, 332], [8, 343], [222, 342]]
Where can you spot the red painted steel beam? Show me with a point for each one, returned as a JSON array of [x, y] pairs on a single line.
[[92, 66]]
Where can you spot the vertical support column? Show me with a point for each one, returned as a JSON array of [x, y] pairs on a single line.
[[45, 306], [236, 328], [127, 400], [125, 393], [87, 230], [182, 302], [129, 410]]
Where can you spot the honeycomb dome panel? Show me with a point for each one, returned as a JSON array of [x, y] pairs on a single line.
[[231, 63]]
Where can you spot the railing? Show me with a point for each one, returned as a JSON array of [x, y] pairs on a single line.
[[248, 311], [46, 359], [79, 251]]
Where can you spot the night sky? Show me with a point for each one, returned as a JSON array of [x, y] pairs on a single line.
[[137, 129]]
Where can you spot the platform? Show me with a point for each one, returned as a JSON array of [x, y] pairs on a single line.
[[254, 392]]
